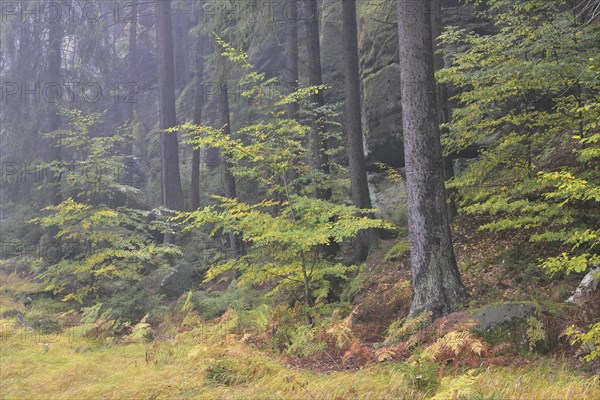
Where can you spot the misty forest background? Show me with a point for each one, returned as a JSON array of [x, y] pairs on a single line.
[[300, 199]]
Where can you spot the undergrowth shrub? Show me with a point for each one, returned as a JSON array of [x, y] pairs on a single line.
[[355, 284], [47, 305], [162, 353], [357, 355], [256, 321], [230, 372], [402, 329], [589, 342], [140, 333], [448, 341], [422, 375], [461, 348], [43, 323], [457, 387], [214, 305], [535, 332], [339, 334], [132, 302], [303, 341], [221, 372]]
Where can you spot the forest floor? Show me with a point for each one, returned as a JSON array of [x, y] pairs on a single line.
[[190, 359]]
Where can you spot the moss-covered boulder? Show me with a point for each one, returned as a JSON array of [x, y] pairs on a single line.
[[513, 323], [492, 315], [178, 280]]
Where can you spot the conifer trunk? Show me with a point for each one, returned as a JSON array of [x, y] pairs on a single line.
[[352, 122], [292, 55], [132, 67], [228, 179], [442, 90], [317, 146], [171, 179], [437, 286], [195, 183], [55, 37]]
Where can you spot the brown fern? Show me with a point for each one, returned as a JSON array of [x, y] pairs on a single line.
[[397, 352], [357, 356]]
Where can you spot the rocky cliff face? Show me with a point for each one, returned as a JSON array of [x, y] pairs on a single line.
[[380, 73], [380, 77]]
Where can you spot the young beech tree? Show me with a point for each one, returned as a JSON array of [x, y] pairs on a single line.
[[104, 248], [284, 231], [537, 105], [437, 285]]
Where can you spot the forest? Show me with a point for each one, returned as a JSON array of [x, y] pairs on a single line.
[[300, 199]]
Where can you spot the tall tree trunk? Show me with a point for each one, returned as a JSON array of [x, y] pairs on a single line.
[[317, 146], [437, 286], [292, 55], [291, 72], [228, 178], [171, 180], [132, 76], [181, 45], [442, 90], [438, 59], [55, 38], [355, 148], [198, 103], [23, 67]]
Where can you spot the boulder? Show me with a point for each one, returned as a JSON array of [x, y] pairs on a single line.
[[178, 280], [588, 286], [493, 315]]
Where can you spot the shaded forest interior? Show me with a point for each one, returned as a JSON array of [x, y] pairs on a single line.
[[300, 199]]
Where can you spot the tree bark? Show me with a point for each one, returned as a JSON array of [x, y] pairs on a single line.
[[181, 45], [292, 109], [354, 136], [317, 146], [198, 103], [55, 38], [171, 179], [132, 68], [442, 91], [436, 282]]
